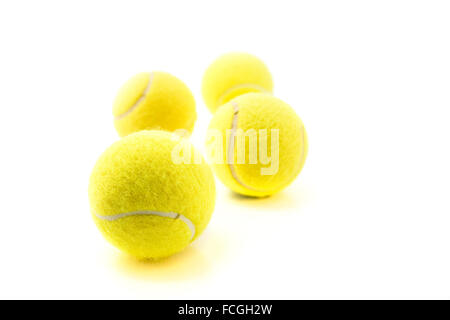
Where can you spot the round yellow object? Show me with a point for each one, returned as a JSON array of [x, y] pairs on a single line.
[[234, 74], [257, 144], [147, 202], [154, 100]]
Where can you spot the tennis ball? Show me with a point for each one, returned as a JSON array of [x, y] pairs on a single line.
[[257, 144], [145, 200], [154, 100], [234, 74]]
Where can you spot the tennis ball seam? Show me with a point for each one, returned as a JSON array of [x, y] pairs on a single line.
[[230, 151], [240, 86], [172, 215], [141, 98]]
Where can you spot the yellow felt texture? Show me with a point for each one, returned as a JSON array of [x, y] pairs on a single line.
[[137, 174], [234, 74], [168, 104], [259, 111]]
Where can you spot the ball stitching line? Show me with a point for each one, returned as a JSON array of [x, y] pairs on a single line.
[[141, 98], [230, 151], [171, 215]]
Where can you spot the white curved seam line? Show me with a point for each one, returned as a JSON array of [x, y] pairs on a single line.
[[230, 151], [171, 215], [240, 86], [141, 98]]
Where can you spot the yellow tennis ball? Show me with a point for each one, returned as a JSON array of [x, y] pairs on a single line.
[[234, 74], [151, 194], [257, 144], [154, 100]]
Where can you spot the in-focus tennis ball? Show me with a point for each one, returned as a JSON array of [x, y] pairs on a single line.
[[257, 144], [234, 74], [154, 100], [145, 200]]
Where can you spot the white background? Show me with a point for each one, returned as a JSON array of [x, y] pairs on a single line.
[[369, 216]]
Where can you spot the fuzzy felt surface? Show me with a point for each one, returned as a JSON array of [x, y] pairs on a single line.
[[137, 174], [259, 111], [234, 74], [167, 104]]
